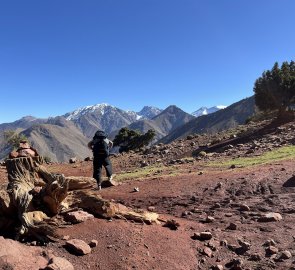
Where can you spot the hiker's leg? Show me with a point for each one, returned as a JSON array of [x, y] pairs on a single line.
[[97, 166], [108, 166]]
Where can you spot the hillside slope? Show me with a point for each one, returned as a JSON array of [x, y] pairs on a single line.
[[163, 123], [59, 140], [229, 117]]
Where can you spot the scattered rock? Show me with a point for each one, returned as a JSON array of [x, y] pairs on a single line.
[[216, 267], [223, 243], [144, 163], [151, 208], [58, 263], [73, 160], [245, 245], [208, 252], [78, 216], [218, 186], [284, 255], [232, 226], [203, 236], [271, 250], [202, 154], [244, 207], [78, 247], [235, 264], [255, 257], [93, 243], [172, 224], [269, 242], [209, 219], [270, 217], [66, 237]]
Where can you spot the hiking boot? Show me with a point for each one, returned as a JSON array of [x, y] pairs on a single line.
[[110, 182], [98, 187]]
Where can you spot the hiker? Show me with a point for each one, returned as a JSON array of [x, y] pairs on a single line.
[[100, 146], [24, 150]]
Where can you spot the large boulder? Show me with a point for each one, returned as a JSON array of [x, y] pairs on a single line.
[[14, 255]]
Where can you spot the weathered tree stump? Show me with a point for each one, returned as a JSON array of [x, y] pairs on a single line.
[[34, 193], [35, 196]]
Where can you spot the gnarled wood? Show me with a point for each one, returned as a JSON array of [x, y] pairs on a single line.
[[33, 205], [35, 195], [96, 205]]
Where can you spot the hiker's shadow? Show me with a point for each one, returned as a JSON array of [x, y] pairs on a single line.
[[290, 182]]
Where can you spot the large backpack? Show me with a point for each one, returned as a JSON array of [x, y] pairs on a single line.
[[100, 146]]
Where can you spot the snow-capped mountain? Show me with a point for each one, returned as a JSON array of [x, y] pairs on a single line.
[[149, 112], [205, 110], [98, 108], [106, 117]]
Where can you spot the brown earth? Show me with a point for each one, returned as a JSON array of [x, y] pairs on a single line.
[[188, 192]]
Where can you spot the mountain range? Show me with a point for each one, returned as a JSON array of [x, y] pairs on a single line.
[[205, 110], [60, 138]]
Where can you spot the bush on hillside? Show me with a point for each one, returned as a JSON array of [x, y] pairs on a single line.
[[12, 138], [128, 139]]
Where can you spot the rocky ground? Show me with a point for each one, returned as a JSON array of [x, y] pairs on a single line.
[[213, 217]]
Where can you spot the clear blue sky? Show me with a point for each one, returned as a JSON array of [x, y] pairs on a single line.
[[58, 55]]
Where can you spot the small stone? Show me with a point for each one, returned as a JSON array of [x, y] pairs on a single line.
[[212, 244], [269, 242], [244, 207], [78, 216], [208, 252], [172, 224], [255, 257], [223, 243], [210, 219], [79, 247], [245, 245], [151, 208], [184, 214], [73, 160], [284, 255], [232, 247], [206, 235], [93, 243], [235, 263], [136, 189], [216, 267], [202, 236], [58, 263], [270, 217], [217, 205], [271, 251], [232, 226]]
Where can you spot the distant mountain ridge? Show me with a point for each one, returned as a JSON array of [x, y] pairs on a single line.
[[164, 122], [206, 111], [63, 137], [149, 112], [51, 135], [227, 118], [107, 117]]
